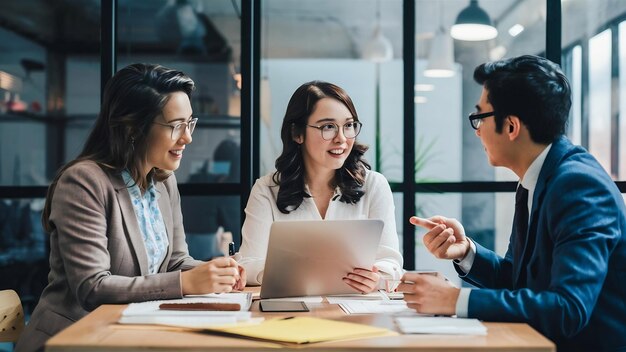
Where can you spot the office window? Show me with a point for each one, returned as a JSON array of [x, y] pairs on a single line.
[[39, 75], [445, 91], [595, 26], [600, 98], [202, 39], [447, 148], [335, 41], [572, 67], [210, 222]]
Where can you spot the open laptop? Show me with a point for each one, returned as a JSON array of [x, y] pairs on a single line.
[[309, 258]]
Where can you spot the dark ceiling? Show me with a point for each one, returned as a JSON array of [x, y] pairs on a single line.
[[73, 27]]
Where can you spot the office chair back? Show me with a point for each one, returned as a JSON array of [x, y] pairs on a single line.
[[11, 316]]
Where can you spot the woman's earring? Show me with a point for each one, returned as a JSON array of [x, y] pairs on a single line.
[[132, 143]]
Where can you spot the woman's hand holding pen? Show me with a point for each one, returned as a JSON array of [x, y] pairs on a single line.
[[216, 276], [363, 280], [241, 282]]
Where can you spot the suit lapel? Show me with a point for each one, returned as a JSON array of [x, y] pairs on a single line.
[[130, 222], [557, 152], [166, 212]]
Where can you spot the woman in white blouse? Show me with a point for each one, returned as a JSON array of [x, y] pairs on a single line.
[[321, 174]]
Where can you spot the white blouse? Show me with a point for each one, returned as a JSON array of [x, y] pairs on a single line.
[[261, 211]]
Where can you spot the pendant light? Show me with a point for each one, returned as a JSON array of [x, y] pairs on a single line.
[[441, 56], [378, 48], [473, 24]]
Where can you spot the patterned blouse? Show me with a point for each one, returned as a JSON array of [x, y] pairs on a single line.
[[150, 221]]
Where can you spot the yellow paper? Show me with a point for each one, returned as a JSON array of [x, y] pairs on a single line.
[[306, 330]]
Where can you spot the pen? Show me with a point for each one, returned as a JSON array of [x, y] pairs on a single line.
[[231, 248]]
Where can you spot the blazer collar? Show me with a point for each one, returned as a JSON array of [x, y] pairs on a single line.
[[130, 222], [560, 149]]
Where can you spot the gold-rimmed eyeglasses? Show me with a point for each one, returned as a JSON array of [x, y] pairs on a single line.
[[330, 130], [178, 129], [476, 119]]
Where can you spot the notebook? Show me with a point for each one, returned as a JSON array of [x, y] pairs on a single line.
[[218, 309], [310, 258], [440, 325]]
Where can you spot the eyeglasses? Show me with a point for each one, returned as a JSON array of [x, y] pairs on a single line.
[[330, 130], [476, 119], [178, 130]]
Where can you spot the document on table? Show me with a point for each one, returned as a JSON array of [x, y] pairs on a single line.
[[302, 330], [305, 299], [440, 325], [371, 307], [150, 313], [372, 296]]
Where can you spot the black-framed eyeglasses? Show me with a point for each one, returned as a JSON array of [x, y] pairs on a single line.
[[476, 119], [178, 130], [330, 130]]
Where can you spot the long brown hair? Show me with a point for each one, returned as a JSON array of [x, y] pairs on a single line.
[[132, 99], [289, 175]]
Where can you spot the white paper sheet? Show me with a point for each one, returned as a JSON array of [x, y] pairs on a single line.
[[371, 307], [440, 325]]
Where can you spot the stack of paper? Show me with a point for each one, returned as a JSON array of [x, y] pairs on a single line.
[[150, 313], [371, 303], [372, 307], [440, 325]]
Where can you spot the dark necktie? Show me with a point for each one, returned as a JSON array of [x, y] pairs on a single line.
[[520, 224]]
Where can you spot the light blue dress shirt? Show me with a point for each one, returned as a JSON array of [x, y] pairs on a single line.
[[150, 221]]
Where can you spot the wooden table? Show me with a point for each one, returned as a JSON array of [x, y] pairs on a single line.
[[98, 331]]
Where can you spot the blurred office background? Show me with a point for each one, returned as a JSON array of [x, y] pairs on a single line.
[[411, 82]]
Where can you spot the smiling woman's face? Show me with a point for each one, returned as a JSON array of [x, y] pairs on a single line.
[[321, 154], [163, 152]]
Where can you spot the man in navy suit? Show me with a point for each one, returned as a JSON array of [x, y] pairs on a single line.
[[564, 272]]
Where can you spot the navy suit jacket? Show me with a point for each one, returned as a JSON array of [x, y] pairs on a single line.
[[571, 283]]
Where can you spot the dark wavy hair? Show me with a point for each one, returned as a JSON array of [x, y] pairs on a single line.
[[289, 175], [532, 88], [132, 99]]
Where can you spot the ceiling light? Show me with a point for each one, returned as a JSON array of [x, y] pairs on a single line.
[[10, 82], [441, 57], [424, 87], [497, 53], [420, 99], [378, 48], [473, 24], [516, 29]]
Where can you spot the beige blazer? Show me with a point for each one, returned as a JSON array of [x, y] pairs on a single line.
[[97, 253]]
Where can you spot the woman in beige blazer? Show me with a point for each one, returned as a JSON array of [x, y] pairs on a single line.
[[114, 215]]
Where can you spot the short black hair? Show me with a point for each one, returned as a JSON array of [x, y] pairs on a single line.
[[532, 88]]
